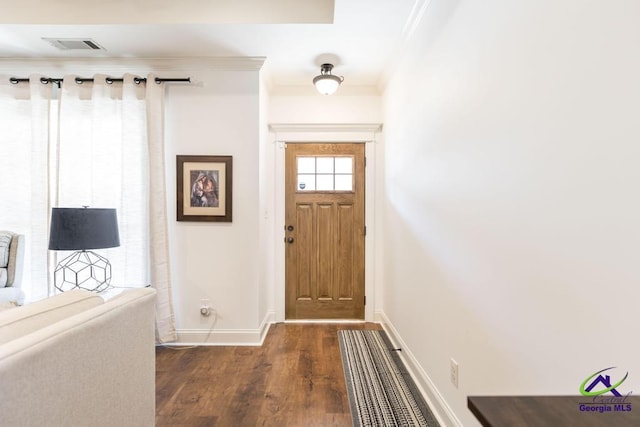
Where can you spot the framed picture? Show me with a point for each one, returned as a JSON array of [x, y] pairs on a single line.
[[204, 188]]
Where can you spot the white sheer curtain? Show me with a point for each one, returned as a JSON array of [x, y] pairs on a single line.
[[24, 174], [99, 145], [159, 234]]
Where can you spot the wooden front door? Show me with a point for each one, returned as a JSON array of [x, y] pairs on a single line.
[[324, 231]]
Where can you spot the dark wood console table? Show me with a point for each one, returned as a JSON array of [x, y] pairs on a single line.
[[552, 411]]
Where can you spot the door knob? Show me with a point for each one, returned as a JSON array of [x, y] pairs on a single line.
[[290, 240], [290, 227]]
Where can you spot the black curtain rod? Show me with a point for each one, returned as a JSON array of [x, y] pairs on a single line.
[[109, 80]]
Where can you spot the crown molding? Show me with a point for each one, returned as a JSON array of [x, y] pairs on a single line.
[[413, 21], [132, 65]]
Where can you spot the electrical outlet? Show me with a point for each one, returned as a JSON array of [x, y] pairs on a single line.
[[454, 373], [205, 307]]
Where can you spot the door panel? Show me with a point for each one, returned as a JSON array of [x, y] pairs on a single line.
[[345, 251], [324, 231], [325, 250], [304, 253]]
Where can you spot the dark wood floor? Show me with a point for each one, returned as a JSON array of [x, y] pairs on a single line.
[[294, 379]]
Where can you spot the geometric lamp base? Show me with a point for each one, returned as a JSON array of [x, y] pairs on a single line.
[[83, 270]]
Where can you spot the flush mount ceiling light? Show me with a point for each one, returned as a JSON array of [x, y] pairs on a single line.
[[327, 83]]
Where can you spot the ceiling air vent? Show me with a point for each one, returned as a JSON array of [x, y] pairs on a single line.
[[74, 44]]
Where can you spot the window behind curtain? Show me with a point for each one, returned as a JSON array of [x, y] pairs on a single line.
[[97, 156], [18, 186]]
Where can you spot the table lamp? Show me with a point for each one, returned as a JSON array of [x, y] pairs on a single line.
[[79, 230]]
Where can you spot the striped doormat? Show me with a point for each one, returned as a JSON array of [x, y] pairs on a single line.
[[381, 392]]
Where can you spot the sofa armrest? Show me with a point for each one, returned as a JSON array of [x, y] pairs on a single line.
[[33, 317], [95, 368]]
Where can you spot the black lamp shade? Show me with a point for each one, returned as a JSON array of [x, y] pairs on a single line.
[[76, 229]]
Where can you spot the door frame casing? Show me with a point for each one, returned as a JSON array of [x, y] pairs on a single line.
[[334, 134]]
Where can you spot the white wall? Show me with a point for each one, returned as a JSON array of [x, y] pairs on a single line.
[[304, 105], [219, 115], [511, 208]]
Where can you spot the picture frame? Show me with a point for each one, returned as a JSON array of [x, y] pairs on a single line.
[[204, 188]]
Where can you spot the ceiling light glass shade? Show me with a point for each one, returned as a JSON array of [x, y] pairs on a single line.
[[327, 83]]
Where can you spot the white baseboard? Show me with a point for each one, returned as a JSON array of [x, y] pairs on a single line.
[[441, 410], [215, 337]]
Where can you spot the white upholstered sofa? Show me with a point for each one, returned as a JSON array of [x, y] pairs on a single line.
[[77, 360]]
